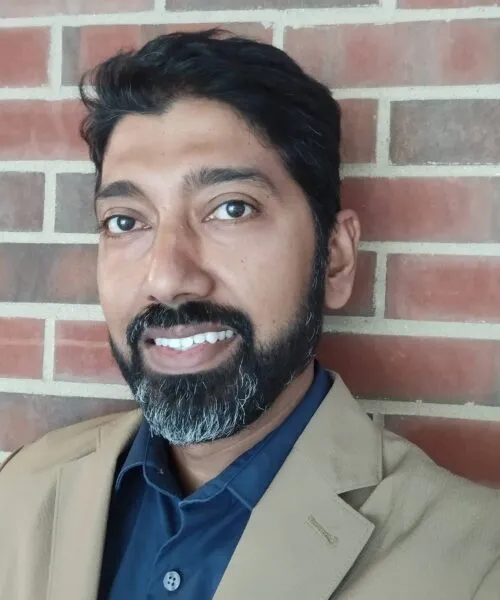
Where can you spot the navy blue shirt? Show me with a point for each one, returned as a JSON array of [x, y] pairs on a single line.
[[154, 531]]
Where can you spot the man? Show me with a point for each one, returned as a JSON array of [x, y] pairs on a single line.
[[248, 472]]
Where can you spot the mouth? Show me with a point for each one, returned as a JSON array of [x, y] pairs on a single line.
[[188, 349]]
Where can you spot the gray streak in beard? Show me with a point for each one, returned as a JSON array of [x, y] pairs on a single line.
[[179, 426]]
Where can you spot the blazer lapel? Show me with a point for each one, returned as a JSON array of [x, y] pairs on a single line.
[[82, 502], [302, 538]]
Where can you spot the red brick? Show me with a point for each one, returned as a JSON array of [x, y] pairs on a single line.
[[35, 8], [359, 124], [361, 301], [467, 448], [427, 209], [37, 129], [75, 203], [83, 354], [26, 417], [21, 347], [63, 273], [412, 368], [445, 131], [85, 47], [21, 201], [24, 56], [443, 288], [419, 53]]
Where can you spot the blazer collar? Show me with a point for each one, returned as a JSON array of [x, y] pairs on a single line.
[[78, 538], [302, 538]]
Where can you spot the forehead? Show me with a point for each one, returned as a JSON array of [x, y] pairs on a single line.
[[190, 133]]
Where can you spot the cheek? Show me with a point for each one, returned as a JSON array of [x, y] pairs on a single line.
[[270, 279], [116, 293]]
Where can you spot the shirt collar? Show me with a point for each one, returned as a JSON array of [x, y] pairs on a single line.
[[249, 475], [266, 458], [137, 453]]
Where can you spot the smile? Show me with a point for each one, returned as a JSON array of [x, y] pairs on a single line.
[[191, 341], [188, 348]]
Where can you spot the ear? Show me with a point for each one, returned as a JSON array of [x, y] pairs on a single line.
[[342, 254]]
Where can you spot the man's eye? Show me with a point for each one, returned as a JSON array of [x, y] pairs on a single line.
[[119, 224], [232, 210]]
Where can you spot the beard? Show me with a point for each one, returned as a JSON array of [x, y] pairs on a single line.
[[213, 404]]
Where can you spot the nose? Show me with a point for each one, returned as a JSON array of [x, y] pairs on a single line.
[[174, 271]]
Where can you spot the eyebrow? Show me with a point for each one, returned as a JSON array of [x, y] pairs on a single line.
[[121, 188], [193, 181], [206, 177]]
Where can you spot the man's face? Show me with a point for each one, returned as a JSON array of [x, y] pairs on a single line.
[[206, 264]]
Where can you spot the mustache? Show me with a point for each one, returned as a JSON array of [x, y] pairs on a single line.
[[190, 313]]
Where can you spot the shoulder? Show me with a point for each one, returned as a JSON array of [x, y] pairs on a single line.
[[407, 466], [64, 445], [462, 516]]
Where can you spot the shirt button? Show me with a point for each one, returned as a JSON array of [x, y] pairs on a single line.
[[172, 581]]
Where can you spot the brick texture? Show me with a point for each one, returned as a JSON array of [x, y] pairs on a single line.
[[437, 180], [467, 448], [75, 203], [427, 209], [48, 273], [24, 56], [21, 201], [416, 290], [37, 129], [445, 132], [82, 353], [26, 417], [85, 47], [21, 347], [422, 53], [33, 8], [359, 123], [414, 368]]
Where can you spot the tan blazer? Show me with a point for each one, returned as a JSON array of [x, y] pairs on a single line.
[[355, 513]]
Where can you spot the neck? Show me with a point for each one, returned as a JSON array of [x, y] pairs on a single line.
[[198, 463]]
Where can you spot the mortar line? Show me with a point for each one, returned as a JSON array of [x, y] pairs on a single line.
[[486, 91], [296, 17], [279, 31], [379, 290], [484, 249], [49, 350], [407, 328], [466, 411], [55, 58], [383, 132], [49, 208], [69, 389], [348, 170], [65, 312]]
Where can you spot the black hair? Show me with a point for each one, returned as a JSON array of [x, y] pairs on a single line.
[[291, 111]]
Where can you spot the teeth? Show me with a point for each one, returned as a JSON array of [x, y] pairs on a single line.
[[212, 337], [185, 343]]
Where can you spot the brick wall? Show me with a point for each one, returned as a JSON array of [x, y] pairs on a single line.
[[419, 81]]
